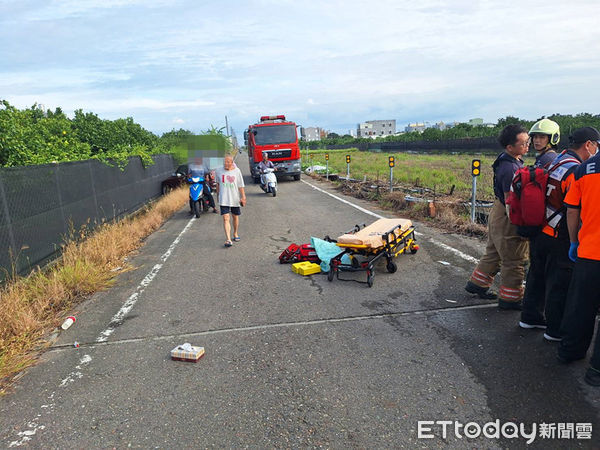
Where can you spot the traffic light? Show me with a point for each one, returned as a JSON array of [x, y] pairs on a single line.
[[476, 167], [326, 156], [347, 159], [392, 161]]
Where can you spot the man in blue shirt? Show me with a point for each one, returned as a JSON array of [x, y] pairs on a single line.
[[506, 251]]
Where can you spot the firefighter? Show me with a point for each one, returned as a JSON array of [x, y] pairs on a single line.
[[583, 299], [545, 135], [550, 271], [505, 250]]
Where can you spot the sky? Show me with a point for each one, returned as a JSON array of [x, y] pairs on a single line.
[[332, 64]]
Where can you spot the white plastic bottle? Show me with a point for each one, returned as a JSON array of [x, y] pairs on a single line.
[[68, 322]]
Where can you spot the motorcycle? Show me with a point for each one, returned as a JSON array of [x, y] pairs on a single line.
[[268, 181], [198, 201]]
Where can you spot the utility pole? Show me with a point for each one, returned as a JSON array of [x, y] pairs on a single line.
[[226, 126]]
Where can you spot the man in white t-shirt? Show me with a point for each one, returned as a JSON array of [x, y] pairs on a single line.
[[230, 191]]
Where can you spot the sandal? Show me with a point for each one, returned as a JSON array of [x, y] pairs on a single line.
[[237, 238], [228, 244]]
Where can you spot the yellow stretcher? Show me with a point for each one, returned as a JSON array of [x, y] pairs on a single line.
[[384, 237]]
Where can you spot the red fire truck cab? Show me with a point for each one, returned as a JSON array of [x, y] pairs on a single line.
[[277, 137]]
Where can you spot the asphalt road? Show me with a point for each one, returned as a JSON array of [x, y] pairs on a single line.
[[295, 361]]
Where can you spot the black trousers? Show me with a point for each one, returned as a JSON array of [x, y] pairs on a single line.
[[211, 200], [547, 282], [579, 320]]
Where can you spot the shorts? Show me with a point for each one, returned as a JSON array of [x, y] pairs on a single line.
[[235, 210]]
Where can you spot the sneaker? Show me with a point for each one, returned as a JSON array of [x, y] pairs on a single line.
[[506, 305], [530, 324], [592, 377], [484, 293], [551, 338]]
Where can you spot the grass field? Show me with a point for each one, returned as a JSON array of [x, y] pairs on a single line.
[[437, 172]]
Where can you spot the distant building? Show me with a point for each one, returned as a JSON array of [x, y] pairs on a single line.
[[311, 133], [476, 121], [417, 126], [352, 133], [376, 128]]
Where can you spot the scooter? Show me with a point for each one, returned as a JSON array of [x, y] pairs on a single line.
[[197, 201], [268, 181]]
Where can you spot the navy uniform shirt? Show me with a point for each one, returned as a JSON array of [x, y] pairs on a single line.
[[504, 167], [544, 159]]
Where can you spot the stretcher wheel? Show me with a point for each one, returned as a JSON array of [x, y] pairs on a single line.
[[330, 274], [370, 276], [413, 249], [391, 267], [354, 262]]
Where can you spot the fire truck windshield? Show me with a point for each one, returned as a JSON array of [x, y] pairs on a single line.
[[279, 134]]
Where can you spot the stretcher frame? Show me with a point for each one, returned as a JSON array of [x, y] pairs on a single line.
[[393, 245]]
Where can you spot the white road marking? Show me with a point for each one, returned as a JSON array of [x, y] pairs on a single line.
[[371, 213], [366, 211], [116, 320], [26, 435], [455, 251]]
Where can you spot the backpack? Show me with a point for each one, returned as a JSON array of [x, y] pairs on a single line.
[[296, 253], [526, 200]]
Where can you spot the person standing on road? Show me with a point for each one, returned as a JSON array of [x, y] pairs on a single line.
[[231, 194], [550, 270], [505, 250], [545, 135], [583, 299]]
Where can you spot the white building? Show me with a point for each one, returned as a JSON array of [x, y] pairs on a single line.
[[376, 128], [311, 133]]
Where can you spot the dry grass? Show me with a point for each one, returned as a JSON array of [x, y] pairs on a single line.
[[449, 214], [30, 307], [436, 171]]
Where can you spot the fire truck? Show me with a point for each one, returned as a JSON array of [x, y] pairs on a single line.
[[277, 137]]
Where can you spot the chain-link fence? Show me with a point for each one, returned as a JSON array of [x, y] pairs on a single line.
[[39, 205]]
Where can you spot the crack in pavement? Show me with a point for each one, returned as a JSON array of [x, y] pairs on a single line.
[[63, 347]]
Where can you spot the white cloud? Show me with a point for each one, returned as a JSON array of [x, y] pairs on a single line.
[[352, 60]]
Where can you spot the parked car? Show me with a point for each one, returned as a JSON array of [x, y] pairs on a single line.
[[176, 179], [180, 176]]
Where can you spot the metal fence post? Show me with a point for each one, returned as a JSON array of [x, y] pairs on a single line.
[[60, 202], [475, 172], [391, 163], [473, 196], [93, 185], [11, 236], [347, 167]]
